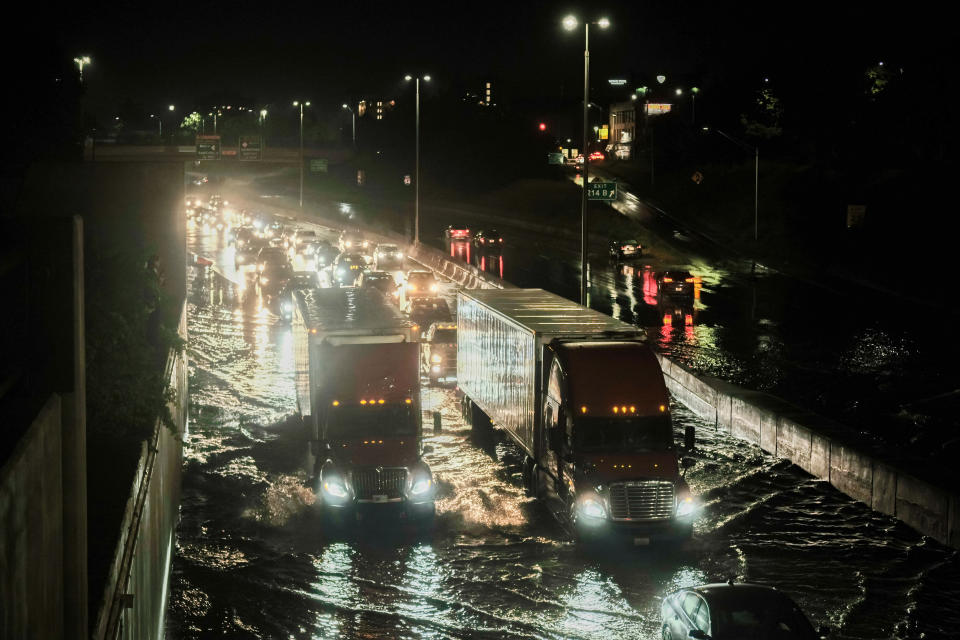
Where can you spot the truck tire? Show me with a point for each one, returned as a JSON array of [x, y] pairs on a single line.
[[530, 479], [479, 420]]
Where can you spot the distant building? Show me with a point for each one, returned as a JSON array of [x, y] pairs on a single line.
[[623, 128], [484, 98], [377, 108]]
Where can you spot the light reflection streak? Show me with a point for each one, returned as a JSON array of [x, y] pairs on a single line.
[[335, 586], [595, 602], [423, 580]]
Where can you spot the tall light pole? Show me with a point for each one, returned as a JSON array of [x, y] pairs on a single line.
[[160, 125], [693, 97], [416, 202], [171, 108], [570, 23], [756, 178], [353, 118], [81, 61], [298, 103]]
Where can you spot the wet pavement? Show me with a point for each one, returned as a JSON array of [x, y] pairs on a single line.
[[252, 559]]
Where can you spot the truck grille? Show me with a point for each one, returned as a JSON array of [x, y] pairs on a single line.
[[379, 481], [642, 500]]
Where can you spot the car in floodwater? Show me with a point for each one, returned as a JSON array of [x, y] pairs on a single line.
[[457, 233], [488, 242], [246, 255], [346, 269], [439, 355], [676, 285], [625, 249], [388, 256], [731, 611], [353, 241], [381, 281]]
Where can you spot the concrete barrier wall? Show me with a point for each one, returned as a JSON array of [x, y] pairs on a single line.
[[31, 531], [135, 598], [811, 442]]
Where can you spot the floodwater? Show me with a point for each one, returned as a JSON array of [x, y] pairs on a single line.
[[252, 560]]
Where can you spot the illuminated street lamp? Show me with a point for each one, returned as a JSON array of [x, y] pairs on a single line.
[[570, 23], [263, 116], [84, 60], [159, 123], [353, 118], [693, 97], [300, 104], [416, 201]]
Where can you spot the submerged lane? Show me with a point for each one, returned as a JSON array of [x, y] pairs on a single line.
[[252, 561]]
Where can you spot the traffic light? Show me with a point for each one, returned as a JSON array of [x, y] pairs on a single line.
[[543, 126]]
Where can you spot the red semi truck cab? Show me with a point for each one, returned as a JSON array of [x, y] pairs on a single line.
[[358, 390], [584, 397]]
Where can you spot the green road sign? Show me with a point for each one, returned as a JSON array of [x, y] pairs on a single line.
[[554, 158], [602, 191], [250, 148], [208, 147], [318, 165]]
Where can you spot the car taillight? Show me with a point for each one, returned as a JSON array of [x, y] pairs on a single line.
[[668, 279], [689, 280]]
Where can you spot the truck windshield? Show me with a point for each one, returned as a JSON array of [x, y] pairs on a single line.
[[385, 421], [652, 433]]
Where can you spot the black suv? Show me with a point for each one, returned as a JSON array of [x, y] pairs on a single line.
[[487, 242]]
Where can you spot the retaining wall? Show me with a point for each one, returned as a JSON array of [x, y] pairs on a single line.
[[135, 598], [811, 442], [31, 531]]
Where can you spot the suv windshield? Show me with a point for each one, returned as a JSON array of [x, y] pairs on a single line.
[[386, 421], [653, 433]]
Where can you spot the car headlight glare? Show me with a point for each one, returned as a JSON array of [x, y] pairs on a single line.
[[434, 288], [592, 508], [436, 358], [335, 487], [686, 506]]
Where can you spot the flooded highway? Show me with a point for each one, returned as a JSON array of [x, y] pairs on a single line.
[[253, 560]]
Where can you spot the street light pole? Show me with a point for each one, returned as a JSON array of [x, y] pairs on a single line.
[[297, 103], [570, 23], [353, 118], [416, 190], [81, 61]]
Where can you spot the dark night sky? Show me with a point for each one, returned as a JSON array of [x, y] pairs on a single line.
[[274, 51]]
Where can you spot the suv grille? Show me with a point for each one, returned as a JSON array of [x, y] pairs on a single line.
[[371, 481], [642, 500]]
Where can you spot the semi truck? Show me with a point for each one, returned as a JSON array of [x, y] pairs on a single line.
[[584, 397], [357, 378]]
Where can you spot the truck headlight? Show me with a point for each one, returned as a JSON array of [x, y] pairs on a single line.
[[421, 485], [592, 508], [686, 506], [436, 358], [334, 486], [434, 288]]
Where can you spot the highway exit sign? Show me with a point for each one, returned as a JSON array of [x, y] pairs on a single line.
[[602, 191]]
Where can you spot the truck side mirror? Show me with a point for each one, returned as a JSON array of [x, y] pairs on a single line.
[[689, 438]]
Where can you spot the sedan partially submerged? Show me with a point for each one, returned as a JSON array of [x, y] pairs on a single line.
[[734, 612]]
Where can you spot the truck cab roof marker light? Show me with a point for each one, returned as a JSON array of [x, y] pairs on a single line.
[[583, 409], [408, 401], [663, 408], [335, 403]]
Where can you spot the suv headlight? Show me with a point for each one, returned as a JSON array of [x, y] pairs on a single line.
[[335, 486], [592, 508], [422, 483], [686, 506]]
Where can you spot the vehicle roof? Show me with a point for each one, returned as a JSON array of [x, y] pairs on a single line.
[[724, 591], [351, 256], [419, 273], [543, 312], [349, 310], [639, 379], [377, 274], [387, 244]]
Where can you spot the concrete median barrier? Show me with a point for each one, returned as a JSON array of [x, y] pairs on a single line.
[[814, 444]]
